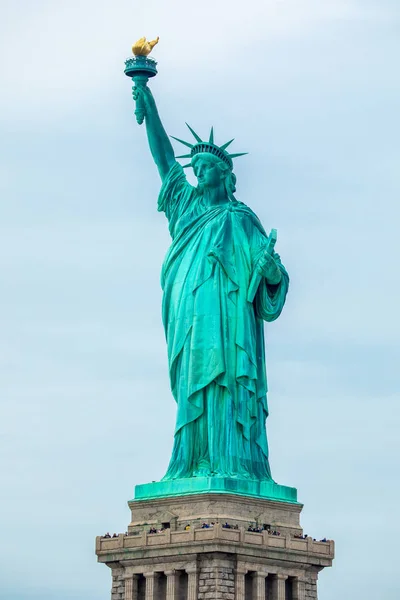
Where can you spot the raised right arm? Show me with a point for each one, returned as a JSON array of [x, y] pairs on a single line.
[[160, 145]]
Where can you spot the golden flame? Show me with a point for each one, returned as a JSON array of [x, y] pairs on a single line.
[[142, 47]]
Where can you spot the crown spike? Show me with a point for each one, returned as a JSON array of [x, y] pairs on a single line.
[[224, 146], [211, 140], [184, 156], [194, 134], [181, 141], [237, 154], [186, 166]]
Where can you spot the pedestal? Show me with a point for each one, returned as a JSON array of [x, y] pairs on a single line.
[[203, 550]]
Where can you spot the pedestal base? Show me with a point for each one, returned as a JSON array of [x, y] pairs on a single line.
[[205, 485], [187, 560]]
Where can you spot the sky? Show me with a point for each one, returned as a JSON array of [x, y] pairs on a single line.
[[310, 89]]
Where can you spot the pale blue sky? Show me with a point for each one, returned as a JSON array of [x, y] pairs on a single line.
[[311, 89]]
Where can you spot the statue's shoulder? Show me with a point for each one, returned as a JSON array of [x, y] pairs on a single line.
[[175, 188], [249, 216], [176, 176]]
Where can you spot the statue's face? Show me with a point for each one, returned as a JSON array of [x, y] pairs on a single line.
[[207, 172]]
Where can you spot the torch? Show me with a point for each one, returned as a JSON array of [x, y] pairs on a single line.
[[140, 68]]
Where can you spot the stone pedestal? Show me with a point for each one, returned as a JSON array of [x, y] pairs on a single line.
[[185, 561]]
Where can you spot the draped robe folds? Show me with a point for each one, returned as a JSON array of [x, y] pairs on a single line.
[[215, 336]]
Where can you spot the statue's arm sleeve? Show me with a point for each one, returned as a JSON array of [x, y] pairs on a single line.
[[175, 193], [270, 299]]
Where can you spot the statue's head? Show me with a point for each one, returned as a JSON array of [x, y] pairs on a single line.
[[211, 172], [211, 163]]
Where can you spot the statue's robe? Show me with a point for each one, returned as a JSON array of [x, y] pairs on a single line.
[[215, 336]]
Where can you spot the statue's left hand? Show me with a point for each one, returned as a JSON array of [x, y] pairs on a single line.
[[268, 268]]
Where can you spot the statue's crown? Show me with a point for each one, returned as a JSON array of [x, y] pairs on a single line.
[[202, 146]]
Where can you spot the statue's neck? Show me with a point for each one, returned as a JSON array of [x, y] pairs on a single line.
[[215, 196]]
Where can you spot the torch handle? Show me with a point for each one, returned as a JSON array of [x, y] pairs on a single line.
[[140, 81]]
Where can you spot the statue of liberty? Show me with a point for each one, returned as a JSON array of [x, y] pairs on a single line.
[[221, 280]]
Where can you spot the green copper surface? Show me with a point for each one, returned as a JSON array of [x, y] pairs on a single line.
[[215, 335], [221, 280]]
